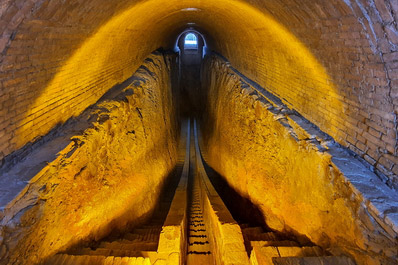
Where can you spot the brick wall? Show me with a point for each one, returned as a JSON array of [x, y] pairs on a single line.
[[334, 61], [356, 100], [108, 168], [56, 60], [298, 179]]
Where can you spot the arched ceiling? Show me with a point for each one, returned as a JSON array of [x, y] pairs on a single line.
[[66, 54]]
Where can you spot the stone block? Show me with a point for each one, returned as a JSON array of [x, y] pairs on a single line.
[[313, 261], [263, 255]]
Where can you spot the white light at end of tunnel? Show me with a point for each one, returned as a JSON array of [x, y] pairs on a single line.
[[190, 9]]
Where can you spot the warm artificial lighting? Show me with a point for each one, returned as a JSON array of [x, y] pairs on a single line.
[[191, 9], [122, 53], [122, 43]]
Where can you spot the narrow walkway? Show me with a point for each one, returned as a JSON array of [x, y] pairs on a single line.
[[199, 248]]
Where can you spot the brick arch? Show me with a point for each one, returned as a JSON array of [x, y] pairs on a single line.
[[58, 56], [183, 34]]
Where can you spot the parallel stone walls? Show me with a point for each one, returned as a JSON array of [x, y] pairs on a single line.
[[333, 61], [287, 174], [108, 178]]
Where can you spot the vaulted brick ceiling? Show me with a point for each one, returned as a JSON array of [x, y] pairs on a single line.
[[323, 58]]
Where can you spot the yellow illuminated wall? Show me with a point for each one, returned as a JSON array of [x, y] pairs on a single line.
[[58, 57], [269, 159], [107, 180], [69, 66]]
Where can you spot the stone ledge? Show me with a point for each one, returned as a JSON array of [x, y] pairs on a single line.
[[342, 214], [379, 199]]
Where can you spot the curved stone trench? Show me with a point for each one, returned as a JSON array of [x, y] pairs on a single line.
[[132, 188], [206, 238]]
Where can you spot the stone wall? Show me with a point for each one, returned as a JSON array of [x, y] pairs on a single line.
[[301, 180], [354, 97], [56, 60], [107, 178], [333, 61]]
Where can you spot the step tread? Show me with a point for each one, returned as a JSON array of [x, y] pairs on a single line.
[[138, 237], [104, 252], [291, 251], [256, 229], [131, 245], [325, 260], [266, 243], [65, 259], [286, 251], [269, 236]]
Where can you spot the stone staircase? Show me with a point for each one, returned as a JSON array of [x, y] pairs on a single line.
[[182, 233], [65, 259], [129, 245], [138, 246], [269, 248], [199, 247]]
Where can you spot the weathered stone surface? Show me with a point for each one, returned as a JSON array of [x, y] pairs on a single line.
[[263, 256], [334, 62], [313, 261], [301, 181], [225, 233], [106, 178]]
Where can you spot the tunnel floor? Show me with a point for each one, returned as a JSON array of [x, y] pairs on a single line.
[[207, 232]]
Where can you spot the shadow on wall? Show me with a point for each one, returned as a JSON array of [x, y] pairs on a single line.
[[110, 56], [242, 208], [107, 178], [106, 58], [245, 211], [287, 170]]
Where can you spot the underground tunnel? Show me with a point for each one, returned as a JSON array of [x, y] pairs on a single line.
[[199, 132]]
